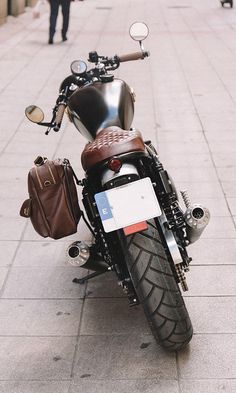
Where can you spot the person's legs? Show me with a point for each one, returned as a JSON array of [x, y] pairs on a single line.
[[65, 4], [54, 5]]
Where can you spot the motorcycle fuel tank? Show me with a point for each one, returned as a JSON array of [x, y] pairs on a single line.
[[100, 105]]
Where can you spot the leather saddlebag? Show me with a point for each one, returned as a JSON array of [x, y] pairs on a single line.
[[53, 205]]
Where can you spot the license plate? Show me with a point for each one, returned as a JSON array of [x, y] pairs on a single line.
[[127, 205]]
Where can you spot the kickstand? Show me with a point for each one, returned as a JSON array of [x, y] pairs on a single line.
[[86, 278]]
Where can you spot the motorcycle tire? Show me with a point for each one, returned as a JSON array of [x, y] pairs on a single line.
[[157, 289]]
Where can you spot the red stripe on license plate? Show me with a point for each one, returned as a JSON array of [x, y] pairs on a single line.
[[140, 226]]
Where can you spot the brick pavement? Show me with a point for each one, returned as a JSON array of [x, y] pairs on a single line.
[[54, 335]]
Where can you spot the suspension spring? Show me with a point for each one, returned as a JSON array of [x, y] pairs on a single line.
[[186, 198], [173, 213]]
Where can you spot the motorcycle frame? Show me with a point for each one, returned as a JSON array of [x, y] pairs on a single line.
[[111, 245]]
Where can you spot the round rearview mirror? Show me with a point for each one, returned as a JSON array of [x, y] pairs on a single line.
[[78, 67], [138, 31], [34, 114]]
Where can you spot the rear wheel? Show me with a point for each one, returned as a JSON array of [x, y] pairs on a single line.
[[157, 289]]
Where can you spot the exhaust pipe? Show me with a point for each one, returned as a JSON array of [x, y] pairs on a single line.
[[81, 254], [197, 218]]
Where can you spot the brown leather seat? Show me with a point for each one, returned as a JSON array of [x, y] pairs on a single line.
[[110, 142]]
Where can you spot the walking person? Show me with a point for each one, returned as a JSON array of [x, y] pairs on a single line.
[[54, 8], [230, 2]]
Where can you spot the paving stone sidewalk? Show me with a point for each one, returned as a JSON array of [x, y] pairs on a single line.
[[59, 337]]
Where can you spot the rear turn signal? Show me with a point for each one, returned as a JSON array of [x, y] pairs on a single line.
[[114, 165]]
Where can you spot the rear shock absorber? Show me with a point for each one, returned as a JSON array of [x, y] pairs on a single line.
[[173, 213]]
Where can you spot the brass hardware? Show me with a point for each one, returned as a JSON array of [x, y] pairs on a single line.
[[47, 183], [27, 211]]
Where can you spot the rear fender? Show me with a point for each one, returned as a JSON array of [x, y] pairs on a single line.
[[128, 171]]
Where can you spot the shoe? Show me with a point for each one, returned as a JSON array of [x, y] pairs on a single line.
[[64, 38], [50, 41]]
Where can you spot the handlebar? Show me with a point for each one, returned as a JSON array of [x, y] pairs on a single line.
[[133, 56], [109, 64], [59, 116]]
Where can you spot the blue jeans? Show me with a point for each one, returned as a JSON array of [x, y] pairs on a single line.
[[54, 5]]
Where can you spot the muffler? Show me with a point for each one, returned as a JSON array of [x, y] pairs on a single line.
[[81, 254], [197, 217]]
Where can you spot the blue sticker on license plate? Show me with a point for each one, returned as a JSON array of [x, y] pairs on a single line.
[[103, 206]]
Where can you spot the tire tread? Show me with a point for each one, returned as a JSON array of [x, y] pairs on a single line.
[[163, 303]]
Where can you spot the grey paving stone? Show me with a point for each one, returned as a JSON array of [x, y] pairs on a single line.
[[105, 285], [211, 281], [208, 386], [3, 273], [220, 149], [225, 158], [122, 357], [13, 175], [112, 316], [39, 317], [212, 314], [121, 386], [192, 174], [229, 188], [10, 207], [42, 283], [219, 228], [209, 356], [36, 358], [204, 252], [170, 136], [197, 191], [13, 190], [35, 149], [181, 148], [177, 160], [227, 174], [46, 253], [218, 137], [7, 250], [34, 387], [11, 228], [232, 205], [19, 160]]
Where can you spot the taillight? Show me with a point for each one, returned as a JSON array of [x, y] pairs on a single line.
[[114, 165]]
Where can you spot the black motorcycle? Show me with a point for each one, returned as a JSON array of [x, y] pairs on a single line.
[[138, 227]]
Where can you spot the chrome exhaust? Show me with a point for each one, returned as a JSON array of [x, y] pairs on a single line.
[[81, 254], [197, 217]]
